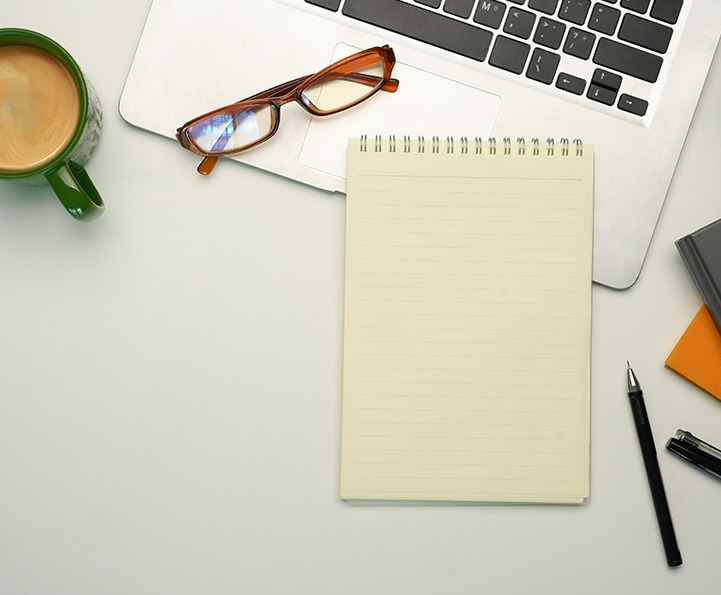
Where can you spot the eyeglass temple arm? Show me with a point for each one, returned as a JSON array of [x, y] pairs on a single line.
[[391, 85]]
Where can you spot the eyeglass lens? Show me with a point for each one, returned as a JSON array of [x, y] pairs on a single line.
[[233, 129], [346, 85]]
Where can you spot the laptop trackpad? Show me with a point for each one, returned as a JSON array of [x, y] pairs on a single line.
[[425, 105]]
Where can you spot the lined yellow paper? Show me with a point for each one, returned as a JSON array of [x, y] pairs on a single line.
[[466, 372]]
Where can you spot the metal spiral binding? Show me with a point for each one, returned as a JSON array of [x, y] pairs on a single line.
[[480, 146], [406, 144]]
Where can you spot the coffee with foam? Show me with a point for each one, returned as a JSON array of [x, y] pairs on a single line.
[[39, 108]]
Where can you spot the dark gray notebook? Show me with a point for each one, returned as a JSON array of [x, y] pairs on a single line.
[[701, 251]]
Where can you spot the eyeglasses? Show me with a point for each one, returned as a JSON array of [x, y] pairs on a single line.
[[251, 121]]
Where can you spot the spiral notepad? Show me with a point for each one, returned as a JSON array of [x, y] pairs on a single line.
[[466, 372]]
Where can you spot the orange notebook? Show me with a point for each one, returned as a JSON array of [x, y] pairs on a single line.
[[697, 355]]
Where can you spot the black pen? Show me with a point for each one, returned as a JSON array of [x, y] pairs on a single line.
[[648, 450], [696, 451]]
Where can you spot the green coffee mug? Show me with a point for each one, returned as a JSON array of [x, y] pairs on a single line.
[[50, 120]]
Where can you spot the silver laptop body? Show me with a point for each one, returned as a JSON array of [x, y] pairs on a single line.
[[197, 56]]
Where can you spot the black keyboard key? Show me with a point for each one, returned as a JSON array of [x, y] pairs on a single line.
[[601, 94], [549, 33], [459, 8], [628, 60], [431, 3], [667, 10], [603, 78], [579, 43], [543, 66], [329, 4], [647, 34], [509, 54], [570, 83], [604, 19], [574, 11], [519, 23], [633, 105], [490, 13], [636, 5], [547, 6], [423, 25]]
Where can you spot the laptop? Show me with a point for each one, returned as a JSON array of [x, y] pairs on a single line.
[[624, 75]]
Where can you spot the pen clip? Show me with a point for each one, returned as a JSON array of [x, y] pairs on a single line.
[[692, 440]]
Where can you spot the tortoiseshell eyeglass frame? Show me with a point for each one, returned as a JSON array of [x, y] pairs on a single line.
[[347, 68]]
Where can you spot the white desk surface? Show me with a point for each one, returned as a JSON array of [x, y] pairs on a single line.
[[170, 388]]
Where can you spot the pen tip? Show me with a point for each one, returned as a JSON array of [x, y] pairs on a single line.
[[633, 384], [628, 365]]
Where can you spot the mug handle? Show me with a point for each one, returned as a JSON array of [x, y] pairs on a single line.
[[76, 191]]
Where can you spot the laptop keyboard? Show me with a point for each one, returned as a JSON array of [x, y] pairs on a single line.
[[549, 42]]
